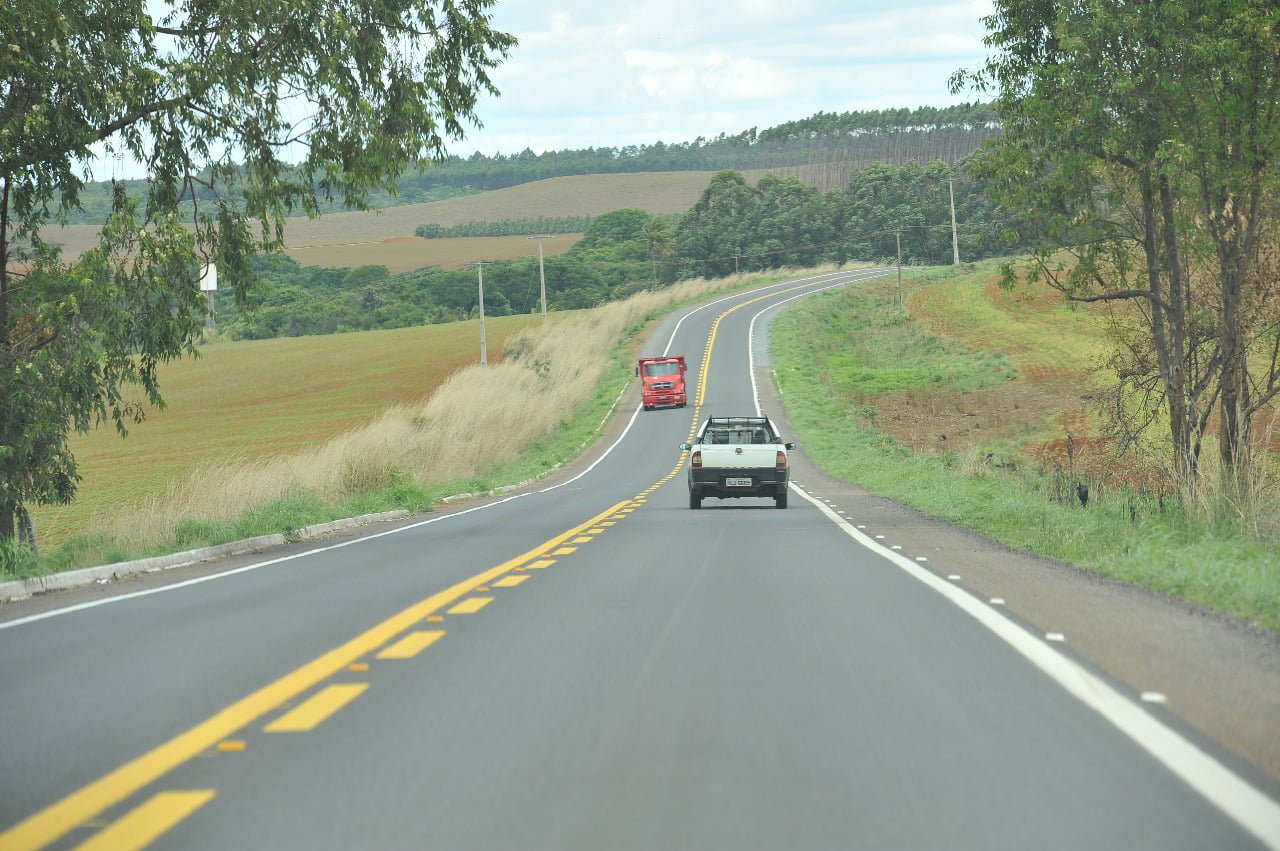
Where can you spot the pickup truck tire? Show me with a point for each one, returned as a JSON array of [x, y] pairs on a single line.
[[695, 501], [780, 500]]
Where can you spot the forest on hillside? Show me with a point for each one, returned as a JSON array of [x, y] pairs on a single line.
[[841, 142], [734, 227]]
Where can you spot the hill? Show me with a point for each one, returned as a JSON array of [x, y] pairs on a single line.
[[386, 236]]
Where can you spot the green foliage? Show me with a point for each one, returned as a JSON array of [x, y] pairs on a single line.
[[300, 300], [1152, 548], [872, 350], [616, 228], [207, 96], [284, 516], [507, 227], [1142, 141], [735, 227], [16, 559]]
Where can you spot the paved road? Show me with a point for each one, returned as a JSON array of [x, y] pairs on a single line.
[[592, 665]]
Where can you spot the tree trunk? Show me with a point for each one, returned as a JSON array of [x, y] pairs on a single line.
[[1167, 331], [1233, 399], [1181, 404], [26, 529]]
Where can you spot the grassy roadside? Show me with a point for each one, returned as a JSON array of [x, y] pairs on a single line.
[[836, 355], [481, 430]]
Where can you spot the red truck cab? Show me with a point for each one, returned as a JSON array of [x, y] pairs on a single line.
[[662, 382]]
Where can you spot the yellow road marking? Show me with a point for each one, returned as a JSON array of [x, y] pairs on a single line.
[[509, 582], [60, 817], [470, 606], [412, 644], [581, 539], [57, 819], [542, 562], [144, 824], [564, 551], [596, 531], [316, 708], [231, 746]]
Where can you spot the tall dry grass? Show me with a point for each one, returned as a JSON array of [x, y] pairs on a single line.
[[477, 420]]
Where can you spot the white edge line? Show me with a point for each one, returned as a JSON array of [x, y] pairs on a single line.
[[751, 329], [1249, 807]]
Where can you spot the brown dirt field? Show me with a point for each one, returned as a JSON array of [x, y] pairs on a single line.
[[659, 193], [1032, 414], [930, 421], [251, 399]]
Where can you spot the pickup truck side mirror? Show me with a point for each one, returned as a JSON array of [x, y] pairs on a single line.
[[789, 445], [686, 446]]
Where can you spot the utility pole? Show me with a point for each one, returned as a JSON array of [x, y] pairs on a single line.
[[955, 242], [902, 308], [484, 351], [542, 276]]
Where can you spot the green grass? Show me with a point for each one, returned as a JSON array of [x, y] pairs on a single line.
[[871, 349], [1155, 548]]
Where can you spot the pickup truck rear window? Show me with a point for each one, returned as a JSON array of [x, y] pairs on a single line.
[[737, 437]]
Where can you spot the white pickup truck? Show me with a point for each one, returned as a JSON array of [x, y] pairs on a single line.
[[737, 456]]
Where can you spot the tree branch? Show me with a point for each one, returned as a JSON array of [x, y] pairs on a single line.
[[1115, 296]]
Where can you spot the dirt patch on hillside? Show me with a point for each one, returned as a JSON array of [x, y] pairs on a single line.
[[929, 421]]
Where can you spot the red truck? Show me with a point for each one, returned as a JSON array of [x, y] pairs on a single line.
[[662, 381]]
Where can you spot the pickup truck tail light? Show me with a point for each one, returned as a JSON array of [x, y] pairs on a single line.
[[782, 461], [696, 460]]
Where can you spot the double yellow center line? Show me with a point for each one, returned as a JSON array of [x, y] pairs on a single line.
[[395, 638], [58, 819]]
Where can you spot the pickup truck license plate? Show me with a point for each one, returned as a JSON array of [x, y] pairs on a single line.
[[737, 482]]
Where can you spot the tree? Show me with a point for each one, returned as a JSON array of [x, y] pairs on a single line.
[[1141, 138], [710, 233], [657, 235], [214, 100]]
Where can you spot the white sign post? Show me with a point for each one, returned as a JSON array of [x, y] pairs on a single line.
[[209, 284]]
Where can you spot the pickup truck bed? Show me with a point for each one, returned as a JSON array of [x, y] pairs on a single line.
[[734, 457]]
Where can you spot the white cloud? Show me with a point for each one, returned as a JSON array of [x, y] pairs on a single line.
[[593, 74]]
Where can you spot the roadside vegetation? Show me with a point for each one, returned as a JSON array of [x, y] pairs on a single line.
[[988, 428]]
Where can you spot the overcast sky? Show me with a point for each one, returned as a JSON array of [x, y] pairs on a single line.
[[592, 73], [595, 73]]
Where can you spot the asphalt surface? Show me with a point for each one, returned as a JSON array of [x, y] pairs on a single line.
[[590, 664]]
